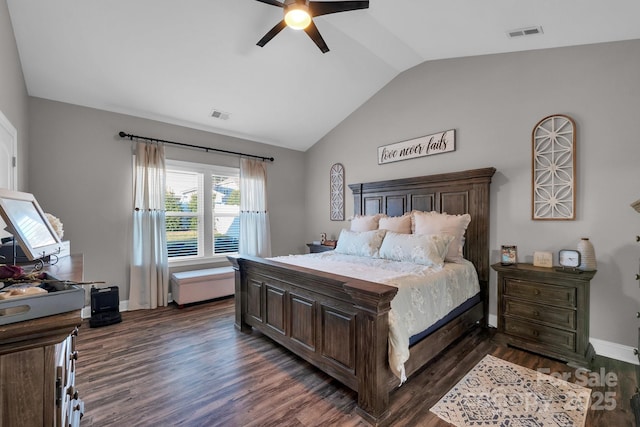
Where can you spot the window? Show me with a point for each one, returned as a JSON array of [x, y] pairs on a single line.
[[202, 210]]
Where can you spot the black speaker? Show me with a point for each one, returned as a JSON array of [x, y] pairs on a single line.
[[105, 307]]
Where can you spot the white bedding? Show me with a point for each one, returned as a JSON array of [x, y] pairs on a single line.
[[425, 294]]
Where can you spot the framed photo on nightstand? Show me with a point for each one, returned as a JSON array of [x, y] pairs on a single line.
[[509, 255], [543, 259]]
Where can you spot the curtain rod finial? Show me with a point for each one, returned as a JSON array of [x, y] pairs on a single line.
[[122, 134]]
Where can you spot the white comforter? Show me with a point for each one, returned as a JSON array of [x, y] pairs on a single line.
[[425, 295]]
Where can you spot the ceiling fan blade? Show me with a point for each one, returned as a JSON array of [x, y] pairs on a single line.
[[272, 33], [272, 2], [313, 32], [318, 8]]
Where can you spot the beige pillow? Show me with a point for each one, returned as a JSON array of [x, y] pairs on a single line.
[[442, 223], [397, 224], [365, 222]]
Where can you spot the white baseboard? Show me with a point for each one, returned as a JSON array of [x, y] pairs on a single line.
[[620, 352], [604, 348], [123, 306], [493, 320]]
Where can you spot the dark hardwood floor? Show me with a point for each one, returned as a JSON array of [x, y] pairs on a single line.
[[191, 367]]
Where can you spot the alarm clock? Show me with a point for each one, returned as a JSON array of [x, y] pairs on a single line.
[[569, 258]]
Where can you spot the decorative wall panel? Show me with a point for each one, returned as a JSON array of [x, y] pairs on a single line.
[[337, 192], [553, 169]]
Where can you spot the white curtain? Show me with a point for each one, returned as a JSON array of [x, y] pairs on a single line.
[[149, 273], [255, 236]]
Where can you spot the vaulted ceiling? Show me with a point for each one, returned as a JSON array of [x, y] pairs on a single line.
[[178, 61]]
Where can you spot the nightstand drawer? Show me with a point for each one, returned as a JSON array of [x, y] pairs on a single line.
[[554, 316], [314, 249], [541, 334], [543, 293]]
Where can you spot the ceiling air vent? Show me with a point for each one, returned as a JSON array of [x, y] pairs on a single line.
[[529, 31], [217, 114]]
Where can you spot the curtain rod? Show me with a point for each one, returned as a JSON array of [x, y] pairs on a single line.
[[182, 144]]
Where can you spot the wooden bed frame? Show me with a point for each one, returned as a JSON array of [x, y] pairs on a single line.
[[340, 324]]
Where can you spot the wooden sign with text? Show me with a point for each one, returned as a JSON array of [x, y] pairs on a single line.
[[437, 143]]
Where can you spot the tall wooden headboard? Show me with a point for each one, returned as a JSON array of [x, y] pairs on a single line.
[[453, 193]]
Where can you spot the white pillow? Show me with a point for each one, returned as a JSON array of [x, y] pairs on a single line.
[[398, 224], [361, 243], [426, 249], [442, 223], [365, 222]]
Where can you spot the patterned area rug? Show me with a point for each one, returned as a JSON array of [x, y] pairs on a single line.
[[499, 393]]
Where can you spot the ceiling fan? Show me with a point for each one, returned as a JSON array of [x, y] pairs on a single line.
[[298, 15]]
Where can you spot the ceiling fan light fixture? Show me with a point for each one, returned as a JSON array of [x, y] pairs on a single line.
[[297, 16]]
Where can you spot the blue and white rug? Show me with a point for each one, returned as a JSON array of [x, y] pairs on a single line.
[[499, 393]]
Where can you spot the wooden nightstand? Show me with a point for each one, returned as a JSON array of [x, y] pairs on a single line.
[[545, 311], [314, 249]]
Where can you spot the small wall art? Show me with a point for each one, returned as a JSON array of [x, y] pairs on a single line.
[[553, 169], [336, 191]]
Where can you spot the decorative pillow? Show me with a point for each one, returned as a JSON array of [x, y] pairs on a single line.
[[398, 224], [426, 249], [442, 223], [361, 243], [365, 222]]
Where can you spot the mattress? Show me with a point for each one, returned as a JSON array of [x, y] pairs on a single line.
[[426, 295]]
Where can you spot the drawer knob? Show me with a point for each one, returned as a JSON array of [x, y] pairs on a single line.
[[638, 314], [637, 276], [535, 333], [637, 238], [635, 351], [536, 291]]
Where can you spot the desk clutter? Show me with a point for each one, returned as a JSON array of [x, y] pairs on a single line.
[[29, 295]]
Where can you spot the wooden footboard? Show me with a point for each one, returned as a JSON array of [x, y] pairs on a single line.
[[338, 324]]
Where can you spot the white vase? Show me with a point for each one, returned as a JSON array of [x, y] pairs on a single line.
[[587, 255]]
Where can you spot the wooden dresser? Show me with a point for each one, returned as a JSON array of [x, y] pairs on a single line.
[[545, 311], [635, 399], [38, 362]]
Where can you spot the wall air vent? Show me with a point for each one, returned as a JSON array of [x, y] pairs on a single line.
[[529, 31], [217, 114]]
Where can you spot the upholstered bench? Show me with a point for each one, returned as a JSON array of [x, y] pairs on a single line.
[[202, 285]]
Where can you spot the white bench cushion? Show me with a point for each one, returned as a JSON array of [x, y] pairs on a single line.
[[202, 285]]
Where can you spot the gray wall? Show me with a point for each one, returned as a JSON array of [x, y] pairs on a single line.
[[13, 92], [81, 172], [494, 102]]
